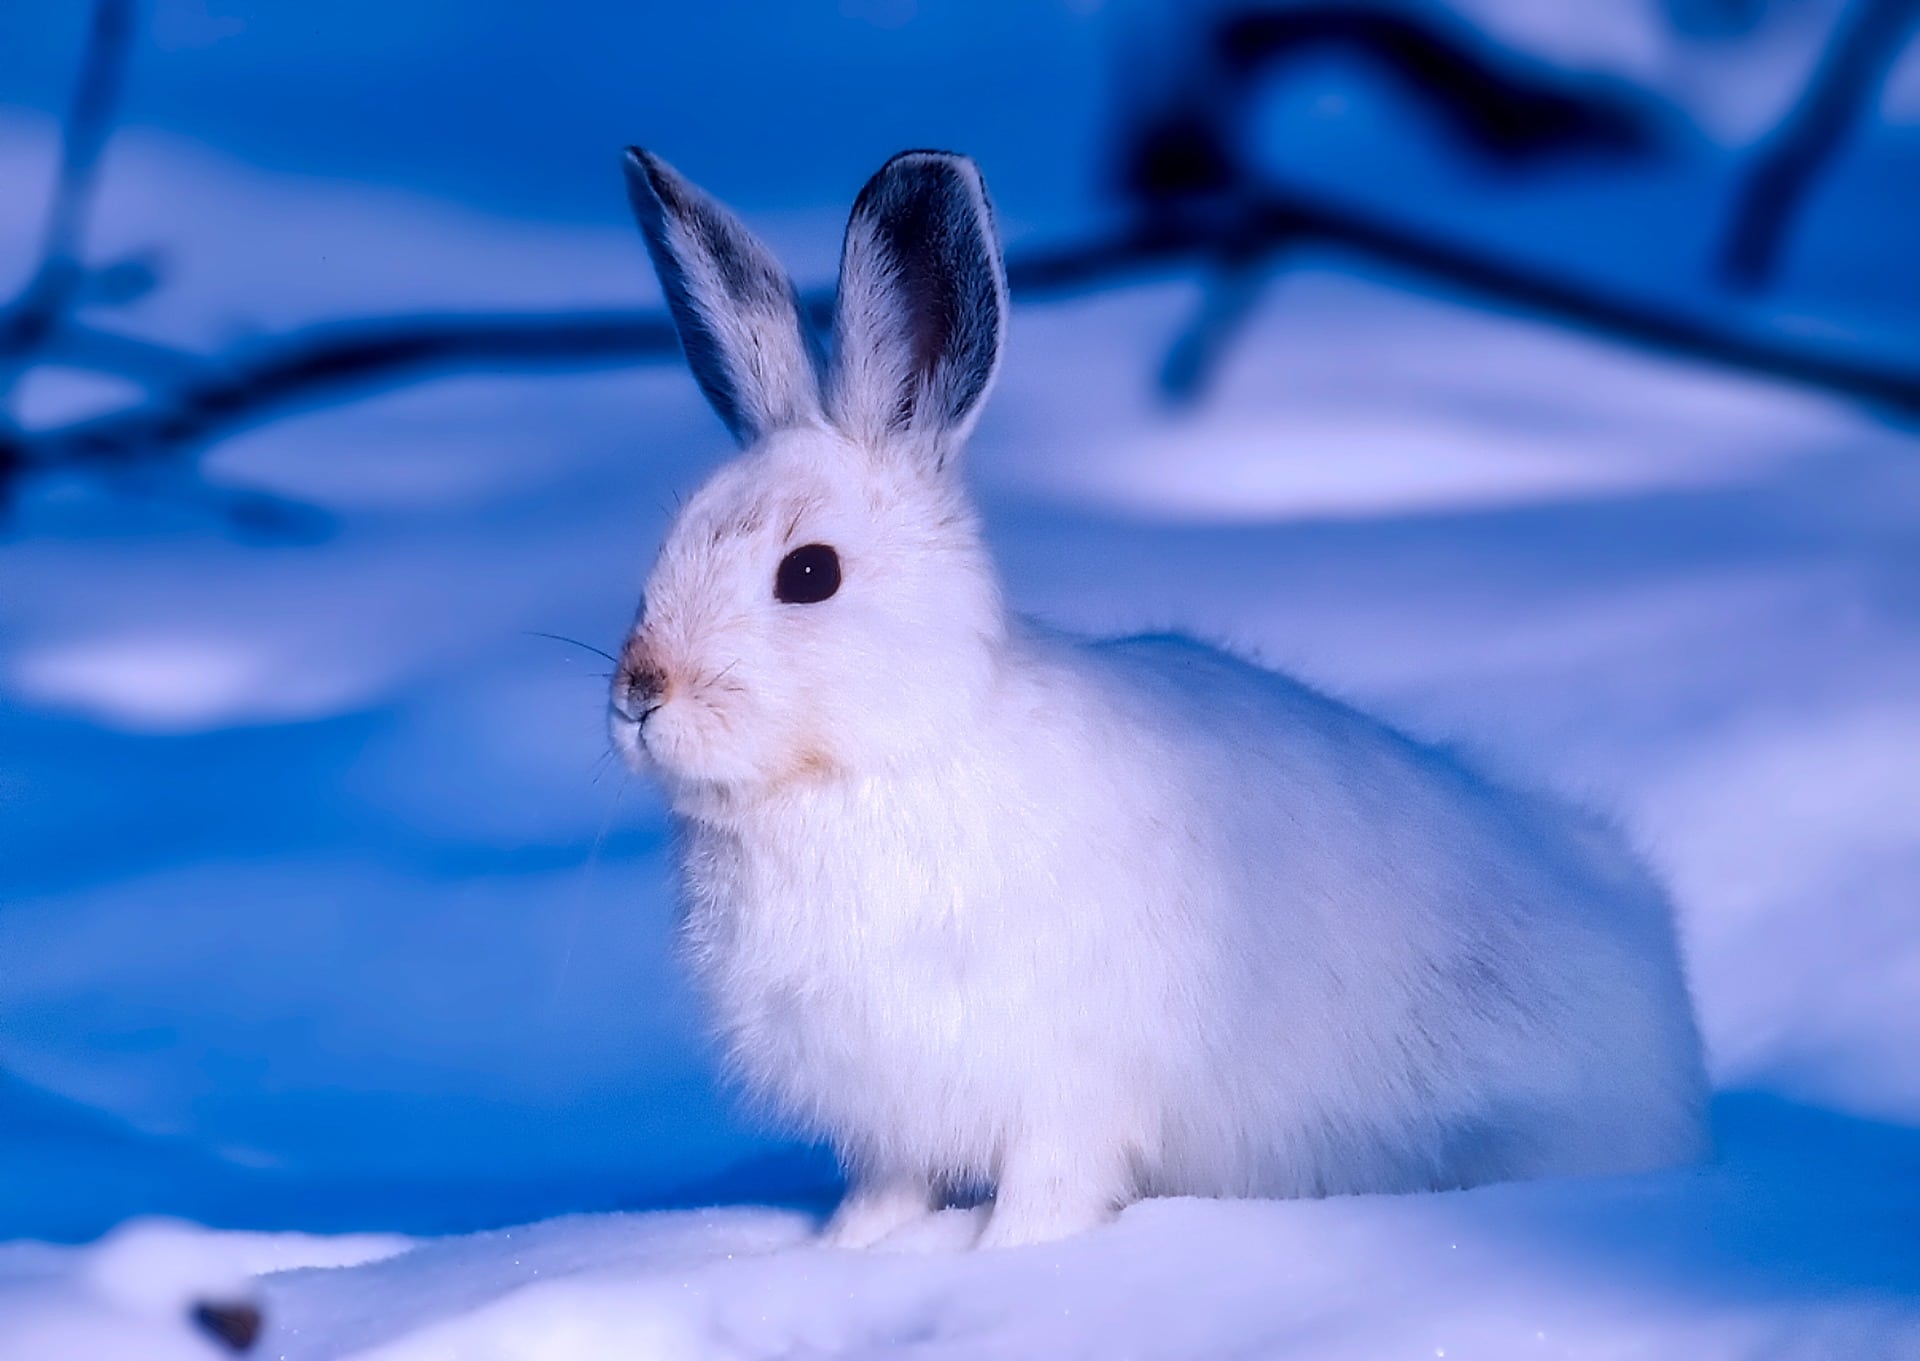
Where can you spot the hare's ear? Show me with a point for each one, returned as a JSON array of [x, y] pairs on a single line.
[[735, 308], [922, 310]]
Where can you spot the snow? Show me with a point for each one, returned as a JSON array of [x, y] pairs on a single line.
[[1797, 1243], [327, 930]]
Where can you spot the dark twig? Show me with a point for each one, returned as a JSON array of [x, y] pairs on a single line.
[[1504, 109], [333, 361], [1229, 297], [91, 109], [1231, 228], [1652, 326], [1186, 135], [1870, 39], [329, 361], [100, 350]]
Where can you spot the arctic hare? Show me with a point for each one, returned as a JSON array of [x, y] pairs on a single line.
[[1080, 922]]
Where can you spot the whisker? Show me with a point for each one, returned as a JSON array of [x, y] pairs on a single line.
[[561, 638]]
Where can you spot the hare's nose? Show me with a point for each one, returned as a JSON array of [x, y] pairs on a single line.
[[638, 690]]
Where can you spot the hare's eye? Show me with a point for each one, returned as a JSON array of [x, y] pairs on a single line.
[[807, 575]]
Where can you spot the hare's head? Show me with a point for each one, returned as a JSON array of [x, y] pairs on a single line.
[[823, 606]]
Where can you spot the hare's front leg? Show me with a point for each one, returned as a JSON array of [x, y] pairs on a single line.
[[1047, 1191], [876, 1207]]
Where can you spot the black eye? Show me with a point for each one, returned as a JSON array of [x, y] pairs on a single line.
[[807, 575]]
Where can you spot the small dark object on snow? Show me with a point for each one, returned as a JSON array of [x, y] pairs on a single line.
[[235, 1323]]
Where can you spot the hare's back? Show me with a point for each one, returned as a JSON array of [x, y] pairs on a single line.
[[1353, 815]]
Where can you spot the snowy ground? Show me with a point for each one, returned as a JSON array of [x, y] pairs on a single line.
[[321, 911]]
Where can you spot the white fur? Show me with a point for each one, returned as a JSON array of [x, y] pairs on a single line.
[[983, 905]]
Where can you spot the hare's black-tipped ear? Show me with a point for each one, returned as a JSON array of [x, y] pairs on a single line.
[[735, 308], [922, 311]]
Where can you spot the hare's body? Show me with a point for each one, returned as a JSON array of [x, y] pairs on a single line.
[[1266, 947], [981, 905]]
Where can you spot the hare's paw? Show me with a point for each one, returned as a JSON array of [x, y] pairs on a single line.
[[873, 1210], [1041, 1198], [1021, 1224]]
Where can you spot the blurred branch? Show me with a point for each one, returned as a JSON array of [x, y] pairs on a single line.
[[101, 350], [1287, 219], [1870, 39], [1505, 109], [1507, 112], [1235, 279], [1234, 230], [328, 362], [58, 279], [1186, 146]]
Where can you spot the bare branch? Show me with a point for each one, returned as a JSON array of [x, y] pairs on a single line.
[[1870, 40], [90, 115], [1506, 109], [324, 362], [1193, 96], [1502, 283], [1233, 231], [1235, 281], [332, 361], [99, 349]]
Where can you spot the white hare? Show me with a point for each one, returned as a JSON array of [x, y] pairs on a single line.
[[986, 906]]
